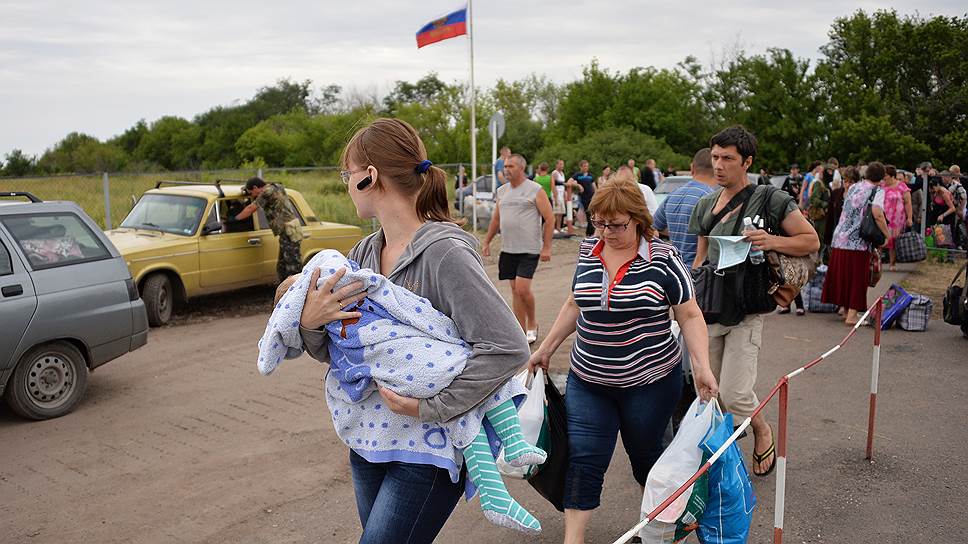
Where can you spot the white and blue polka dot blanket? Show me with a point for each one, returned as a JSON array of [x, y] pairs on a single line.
[[401, 342]]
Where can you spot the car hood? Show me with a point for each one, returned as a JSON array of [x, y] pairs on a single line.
[[129, 241]]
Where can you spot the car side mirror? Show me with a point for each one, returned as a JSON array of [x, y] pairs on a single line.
[[211, 229]]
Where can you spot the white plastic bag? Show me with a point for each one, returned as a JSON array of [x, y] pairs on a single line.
[[679, 462], [531, 413]]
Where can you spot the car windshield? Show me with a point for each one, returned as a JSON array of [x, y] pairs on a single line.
[[166, 213]]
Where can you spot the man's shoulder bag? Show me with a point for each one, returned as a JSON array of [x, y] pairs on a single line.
[[712, 296]]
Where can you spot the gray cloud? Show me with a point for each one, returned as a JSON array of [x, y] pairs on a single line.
[[99, 67]]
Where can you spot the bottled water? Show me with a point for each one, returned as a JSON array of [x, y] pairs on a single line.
[[756, 254]]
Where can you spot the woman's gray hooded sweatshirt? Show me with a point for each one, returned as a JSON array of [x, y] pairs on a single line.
[[441, 264]]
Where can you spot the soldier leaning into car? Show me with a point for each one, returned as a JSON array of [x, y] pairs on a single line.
[[274, 202]]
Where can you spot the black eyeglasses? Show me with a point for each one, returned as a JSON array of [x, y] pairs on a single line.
[[614, 227]]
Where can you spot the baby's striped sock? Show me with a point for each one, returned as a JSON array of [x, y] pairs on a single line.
[[517, 451], [498, 505]]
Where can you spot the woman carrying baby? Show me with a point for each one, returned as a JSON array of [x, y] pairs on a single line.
[[418, 247]]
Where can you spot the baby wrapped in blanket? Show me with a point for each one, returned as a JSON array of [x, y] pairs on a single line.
[[401, 342]]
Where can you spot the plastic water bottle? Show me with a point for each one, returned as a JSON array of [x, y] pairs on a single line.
[[756, 254]]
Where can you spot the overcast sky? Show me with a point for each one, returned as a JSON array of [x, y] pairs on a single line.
[[98, 67]]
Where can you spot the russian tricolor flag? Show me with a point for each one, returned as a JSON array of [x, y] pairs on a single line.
[[449, 26]]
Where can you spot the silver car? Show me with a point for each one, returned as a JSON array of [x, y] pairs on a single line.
[[68, 305]]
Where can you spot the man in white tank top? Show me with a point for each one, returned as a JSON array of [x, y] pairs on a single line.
[[521, 206]]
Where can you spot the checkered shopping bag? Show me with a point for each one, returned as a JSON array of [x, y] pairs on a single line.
[[910, 248], [811, 295], [916, 316]]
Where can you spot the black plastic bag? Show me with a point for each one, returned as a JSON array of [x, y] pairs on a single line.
[[549, 480]]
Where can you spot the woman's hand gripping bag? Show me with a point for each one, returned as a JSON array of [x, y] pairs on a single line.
[[675, 466], [730, 503], [531, 414]]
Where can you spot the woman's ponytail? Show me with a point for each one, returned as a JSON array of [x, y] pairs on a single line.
[[432, 202]]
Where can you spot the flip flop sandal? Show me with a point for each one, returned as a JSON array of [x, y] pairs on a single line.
[[760, 457]]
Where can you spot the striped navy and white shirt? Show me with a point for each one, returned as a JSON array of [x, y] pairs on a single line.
[[624, 330]]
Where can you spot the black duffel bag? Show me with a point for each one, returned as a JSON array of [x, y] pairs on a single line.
[[954, 298]]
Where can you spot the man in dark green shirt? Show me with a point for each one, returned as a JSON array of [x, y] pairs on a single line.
[[275, 203]]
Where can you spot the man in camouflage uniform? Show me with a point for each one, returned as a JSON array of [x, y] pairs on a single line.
[[274, 202]]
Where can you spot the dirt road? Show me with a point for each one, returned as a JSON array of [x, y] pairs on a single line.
[[183, 441]]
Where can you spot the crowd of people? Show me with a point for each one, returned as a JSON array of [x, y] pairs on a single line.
[[637, 271], [570, 195]]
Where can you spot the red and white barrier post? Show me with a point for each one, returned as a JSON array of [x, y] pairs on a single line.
[[875, 371], [781, 443]]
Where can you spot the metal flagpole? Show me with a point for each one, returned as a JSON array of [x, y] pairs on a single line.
[[470, 36]]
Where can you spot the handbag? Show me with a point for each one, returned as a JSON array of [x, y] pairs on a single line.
[[869, 231], [942, 236], [549, 481], [790, 274], [910, 248], [953, 305], [875, 268]]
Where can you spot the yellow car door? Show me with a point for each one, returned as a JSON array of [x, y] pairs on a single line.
[[230, 255], [270, 244]]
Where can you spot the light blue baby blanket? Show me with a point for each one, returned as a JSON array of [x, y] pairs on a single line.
[[401, 342]]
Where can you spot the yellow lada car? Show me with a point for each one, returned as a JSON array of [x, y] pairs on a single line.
[[177, 247]]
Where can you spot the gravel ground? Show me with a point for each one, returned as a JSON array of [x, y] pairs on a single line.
[[183, 441]]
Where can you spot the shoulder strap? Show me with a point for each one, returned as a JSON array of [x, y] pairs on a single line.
[[870, 199], [775, 227], [738, 226], [964, 268], [741, 197]]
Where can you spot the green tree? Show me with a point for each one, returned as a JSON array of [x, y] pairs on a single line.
[[78, 153], [613, 146], [874, 138], [171, 142], [909, 70], [16, 164], [773, 96]]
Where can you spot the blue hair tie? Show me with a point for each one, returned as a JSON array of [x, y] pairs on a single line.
[[423, 166]]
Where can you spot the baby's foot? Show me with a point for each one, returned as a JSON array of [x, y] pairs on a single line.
[[508, 513], [522, 454]]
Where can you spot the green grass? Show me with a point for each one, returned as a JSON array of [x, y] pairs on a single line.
[[322, 189]]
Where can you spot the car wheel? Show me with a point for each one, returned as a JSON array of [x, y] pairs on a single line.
[[48, 381], [158, 298]]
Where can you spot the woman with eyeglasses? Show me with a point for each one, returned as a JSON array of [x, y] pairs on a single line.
[[407, 495], [626, 373]]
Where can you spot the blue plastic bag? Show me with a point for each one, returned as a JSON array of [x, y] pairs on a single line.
[[730, 503]]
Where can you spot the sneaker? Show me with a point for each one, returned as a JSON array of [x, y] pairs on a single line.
[[532, 336]]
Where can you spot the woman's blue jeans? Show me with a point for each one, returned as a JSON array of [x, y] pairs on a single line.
[[596, 414], [402, 502]]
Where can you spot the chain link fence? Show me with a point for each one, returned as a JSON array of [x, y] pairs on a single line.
[[108, 197]]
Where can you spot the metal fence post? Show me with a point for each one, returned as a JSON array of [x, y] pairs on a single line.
[[259, 174], [106, 186]]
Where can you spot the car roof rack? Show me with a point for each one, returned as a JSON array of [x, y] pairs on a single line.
[[244, 181], [31, 197], [217, 183]]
